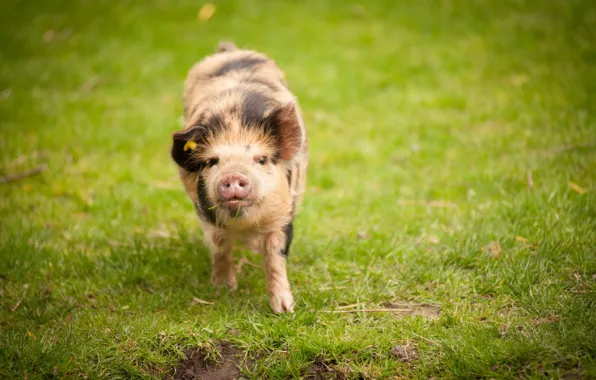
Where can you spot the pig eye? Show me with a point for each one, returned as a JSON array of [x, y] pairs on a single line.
[[262, 160], [212, 162]]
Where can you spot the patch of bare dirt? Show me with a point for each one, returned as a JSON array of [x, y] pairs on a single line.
[[405, 353], [199, 366], [323, 369], [553, 318]]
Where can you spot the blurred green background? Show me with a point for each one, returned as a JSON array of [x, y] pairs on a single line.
[[452, 164]]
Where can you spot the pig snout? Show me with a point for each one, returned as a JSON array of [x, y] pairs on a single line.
[[234, 186]]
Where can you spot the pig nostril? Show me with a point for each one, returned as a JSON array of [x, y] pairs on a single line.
[[234, 187]]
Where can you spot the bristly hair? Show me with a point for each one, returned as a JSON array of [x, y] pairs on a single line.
[[254, 107]]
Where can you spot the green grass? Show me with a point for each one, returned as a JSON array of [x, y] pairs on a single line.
[[450, 101]]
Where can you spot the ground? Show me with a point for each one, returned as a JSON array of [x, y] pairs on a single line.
[[452, 186]]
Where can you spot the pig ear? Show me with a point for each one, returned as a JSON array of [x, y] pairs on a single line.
[[184, 143], [287, 130]]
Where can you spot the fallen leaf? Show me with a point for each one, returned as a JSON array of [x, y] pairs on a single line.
[[576, 187], [493, 248], [90, 84], [114, 243], [49, 35], [434, 239], [161, 232], [521, 239], [518, 79], [358, 10], [206, 12]]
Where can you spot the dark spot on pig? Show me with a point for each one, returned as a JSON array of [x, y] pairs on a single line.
[[205, 208], [211, 122], [215, 123], [289, 232], [271, 85], [289, 177], [192, 111], [242, 63], [254, 106]]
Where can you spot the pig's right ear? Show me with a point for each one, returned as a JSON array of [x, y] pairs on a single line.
[[184, 144], [287, 130]]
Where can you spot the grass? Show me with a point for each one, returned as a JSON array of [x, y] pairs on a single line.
[[426, 120]]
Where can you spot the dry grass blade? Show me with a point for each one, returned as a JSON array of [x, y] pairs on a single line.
[[198, 301], [16, 306], [22, 159], [351, 306], [164, 185], [566, 148], [435, 203], [243, 261], [530, 179], [369, 311], [27, 173], [575, 187], [333, 287]]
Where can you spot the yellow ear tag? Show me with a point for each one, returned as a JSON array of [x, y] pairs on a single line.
[[190, 145]]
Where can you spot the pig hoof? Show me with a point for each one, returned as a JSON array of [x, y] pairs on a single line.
[[282, 302]]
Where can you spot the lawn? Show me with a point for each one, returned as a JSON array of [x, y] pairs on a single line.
[[452, 184]]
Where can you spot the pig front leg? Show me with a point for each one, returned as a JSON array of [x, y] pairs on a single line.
[[223, 271], [274, 260]]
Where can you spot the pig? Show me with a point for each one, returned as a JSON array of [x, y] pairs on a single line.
[[242, 159]]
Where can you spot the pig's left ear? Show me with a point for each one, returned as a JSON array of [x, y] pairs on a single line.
[[287, 130]]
